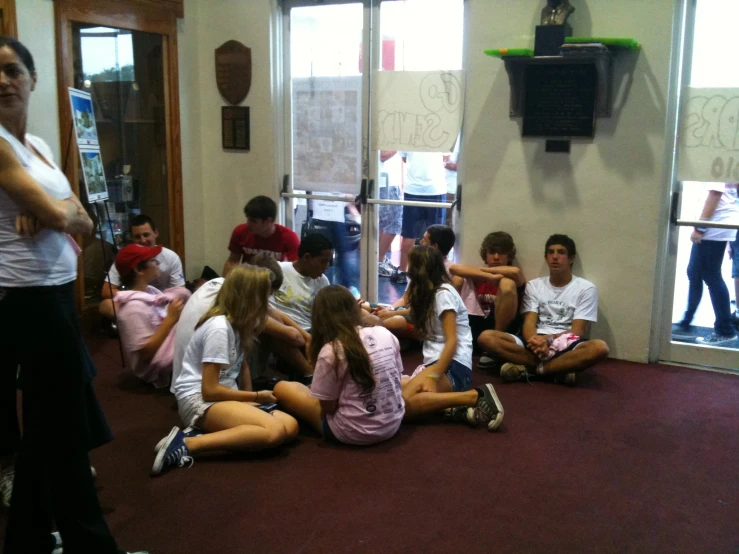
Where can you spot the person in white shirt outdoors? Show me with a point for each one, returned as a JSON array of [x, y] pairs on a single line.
[[147, 317], [706, 257], [356, 396], [425, 181], [287, 335], [734, 255], [144, 232], [450, 169], [442, 384], [391, 217], [213, 389], [62, 420], [557, 311]]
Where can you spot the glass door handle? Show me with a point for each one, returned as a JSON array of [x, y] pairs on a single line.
[[361, 198]]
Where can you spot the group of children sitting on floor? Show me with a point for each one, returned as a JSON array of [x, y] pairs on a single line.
[[343, 354]]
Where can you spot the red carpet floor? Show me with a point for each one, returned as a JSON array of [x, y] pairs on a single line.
[[636, 458]]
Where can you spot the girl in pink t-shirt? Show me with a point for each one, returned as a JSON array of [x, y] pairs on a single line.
[[356, 395]]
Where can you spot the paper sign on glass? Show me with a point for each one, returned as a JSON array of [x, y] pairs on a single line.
[[419, 111], [709, 135]]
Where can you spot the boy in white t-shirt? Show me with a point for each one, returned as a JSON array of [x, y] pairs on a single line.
[[557, 314], [144, 232]]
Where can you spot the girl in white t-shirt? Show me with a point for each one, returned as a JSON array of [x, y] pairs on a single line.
[[356, 396], [443, 382], [224, 415]]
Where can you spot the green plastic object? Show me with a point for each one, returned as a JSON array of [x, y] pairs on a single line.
[[506, 52], [628, 43]]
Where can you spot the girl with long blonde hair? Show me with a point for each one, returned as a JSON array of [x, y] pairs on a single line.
[[213, 390], [356, 396]]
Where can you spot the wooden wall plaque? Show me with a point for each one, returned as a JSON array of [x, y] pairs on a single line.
[[233, 71], [235, 127]]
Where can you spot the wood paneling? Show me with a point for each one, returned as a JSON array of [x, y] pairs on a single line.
[[149, 16], [10, 23]]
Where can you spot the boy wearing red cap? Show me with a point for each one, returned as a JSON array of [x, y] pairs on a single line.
[[147, 316]]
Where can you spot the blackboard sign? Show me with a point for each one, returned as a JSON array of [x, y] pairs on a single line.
[[560, 100]]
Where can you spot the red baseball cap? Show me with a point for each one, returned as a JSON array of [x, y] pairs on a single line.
[[132, 255]]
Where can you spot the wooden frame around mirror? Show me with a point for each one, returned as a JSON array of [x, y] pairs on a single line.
[[149, 16], [8, 21]]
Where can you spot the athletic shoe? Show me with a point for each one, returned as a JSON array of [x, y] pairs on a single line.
[[457, 414], [682, 331], [57, 543], [173, 453], [488, 410], [400, 277], [386, 268], [569, 379], [6, 485], [487, 362], [715, 340], [187, 431], [513, 372]]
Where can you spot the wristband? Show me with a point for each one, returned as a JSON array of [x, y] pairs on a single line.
[[700, 229], [434, 376]]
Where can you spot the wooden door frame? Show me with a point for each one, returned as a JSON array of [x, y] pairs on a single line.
[[149, 16], [9, 18]]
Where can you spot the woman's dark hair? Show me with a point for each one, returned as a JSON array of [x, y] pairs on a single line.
[[426, 272], [335, 319], [23, 53], [499, 242]]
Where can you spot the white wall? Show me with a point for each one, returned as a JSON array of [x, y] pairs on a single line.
[[607, 193], [35, 19], [225, 180]]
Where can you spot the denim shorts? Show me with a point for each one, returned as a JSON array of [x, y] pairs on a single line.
[[391, 216], [416, 220], [328, 434]]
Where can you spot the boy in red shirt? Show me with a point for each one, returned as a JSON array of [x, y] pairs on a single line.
[[260, 234]]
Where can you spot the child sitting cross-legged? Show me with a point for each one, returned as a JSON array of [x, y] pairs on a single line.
[[356, 395], [443, 383], [213, 389]]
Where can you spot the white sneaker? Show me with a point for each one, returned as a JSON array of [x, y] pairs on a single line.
[[385, 268]]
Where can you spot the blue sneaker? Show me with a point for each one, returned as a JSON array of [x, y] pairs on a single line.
[[187, 431], [173, 453]]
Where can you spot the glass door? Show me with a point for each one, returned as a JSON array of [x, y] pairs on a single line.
[[373, 204], [415, 182], [704, 252], [123, 70], [325, 94]]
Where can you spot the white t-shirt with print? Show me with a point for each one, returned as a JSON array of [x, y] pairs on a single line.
[[170, 272], [296, 295], [727, 211], [213, 342], [559, 306], [199, 303], [447, 298]]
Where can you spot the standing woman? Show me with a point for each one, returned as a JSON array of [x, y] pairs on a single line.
[[39, 332]]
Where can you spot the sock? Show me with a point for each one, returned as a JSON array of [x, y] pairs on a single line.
[[480, 392], [540, 368]]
